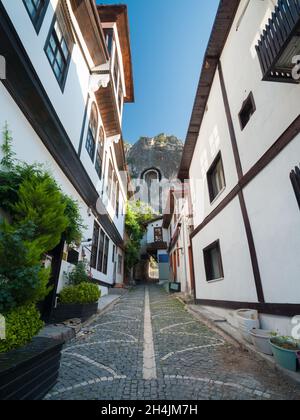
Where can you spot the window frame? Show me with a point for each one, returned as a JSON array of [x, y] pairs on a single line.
[[62, 82], [295, 180], [156, 229], [37, 22], [209, 177], [215, 245], [249, 99]]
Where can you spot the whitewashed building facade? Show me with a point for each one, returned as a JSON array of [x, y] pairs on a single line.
[[242, 157], [68, 75]]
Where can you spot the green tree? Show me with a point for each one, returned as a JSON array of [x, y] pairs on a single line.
[[137, 215]]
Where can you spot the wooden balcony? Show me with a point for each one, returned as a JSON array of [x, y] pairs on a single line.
[[157, 246], [279, 44]]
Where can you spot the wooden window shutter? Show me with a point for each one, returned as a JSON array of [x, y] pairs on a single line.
[[65, 24]]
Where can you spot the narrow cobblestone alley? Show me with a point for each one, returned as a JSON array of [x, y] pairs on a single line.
[[124, 356]]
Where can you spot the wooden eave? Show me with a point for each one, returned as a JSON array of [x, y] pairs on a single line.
[[221, 28], [119, 15], [85, 12]]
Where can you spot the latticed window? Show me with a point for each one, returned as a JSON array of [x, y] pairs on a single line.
[[36, 10], [279, 46], [59, 45], [95, 246], [92, 133], [99, 157]]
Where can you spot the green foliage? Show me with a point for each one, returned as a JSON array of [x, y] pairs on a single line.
[[8, 156], [22, 278], [22, 324], [78, 275], [83, 293], [138, 213], [73, 232], [39, 215]]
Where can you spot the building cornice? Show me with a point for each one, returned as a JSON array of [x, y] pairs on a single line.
[[221, 28]]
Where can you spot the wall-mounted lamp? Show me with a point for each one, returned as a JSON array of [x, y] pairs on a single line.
[[89, 212]]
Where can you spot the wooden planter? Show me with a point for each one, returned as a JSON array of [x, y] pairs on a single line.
[[64, 312], [30, 372]]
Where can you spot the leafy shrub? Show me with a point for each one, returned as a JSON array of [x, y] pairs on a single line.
[[22, 324], [39, 215], [78, 275], [83, 293], [22, 278]]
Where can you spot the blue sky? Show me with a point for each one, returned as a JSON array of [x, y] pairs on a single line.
[[168, 39]]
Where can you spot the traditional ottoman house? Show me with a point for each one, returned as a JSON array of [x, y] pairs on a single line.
[[68, 76], [242, 157], [178, 221]]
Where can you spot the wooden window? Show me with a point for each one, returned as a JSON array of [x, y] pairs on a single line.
[[279, 44], [118, 201], [120, 264], [216, 178], [105, 256], [158, 234], [248, 109], [120, 97], [213, 262], [110, 180], [116, 72], [95, 245], [295, 178], [36, 10], [109, 38], [90, 144], [59, 46], [101, 251]]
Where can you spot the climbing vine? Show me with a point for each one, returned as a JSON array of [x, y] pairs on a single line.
[[137, 215]]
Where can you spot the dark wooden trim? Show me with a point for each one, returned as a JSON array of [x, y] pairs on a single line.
[[284, 140], [26, 89], [233, 139], [83, 125], [252, 249], [224, 203], [278, 309], [221, 28]]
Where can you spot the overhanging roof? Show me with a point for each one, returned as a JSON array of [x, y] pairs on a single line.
[[119, 14], [222, 25]]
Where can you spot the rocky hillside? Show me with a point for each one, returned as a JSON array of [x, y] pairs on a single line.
[[161, 152]]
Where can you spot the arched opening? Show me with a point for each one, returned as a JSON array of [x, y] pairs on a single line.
[[152, 178]]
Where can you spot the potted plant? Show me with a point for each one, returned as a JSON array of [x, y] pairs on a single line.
[[79, 299], [261, 340], [285, 350]]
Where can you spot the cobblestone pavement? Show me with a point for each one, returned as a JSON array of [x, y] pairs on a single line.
[[174, 357]]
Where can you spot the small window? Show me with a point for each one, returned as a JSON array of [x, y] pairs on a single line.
[[118, 201], [92, 133], [36, 10], [59, 47], [105, 256], [110, 180], [100, 252], [120, 264], [247, 111], [216, 178], [158, 235], [109, 38], [95, 246], [295, 178], [213, 262]]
